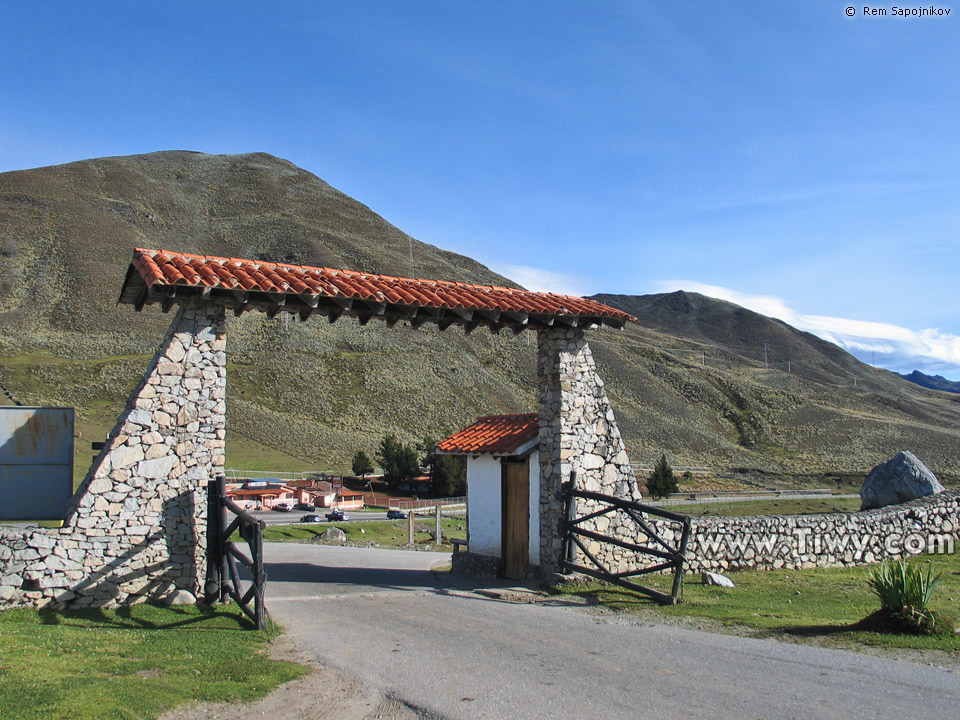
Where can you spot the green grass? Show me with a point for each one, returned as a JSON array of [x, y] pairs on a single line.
[[245, 453], [386, 533], [797, 506], [821, 605], [133, 662]]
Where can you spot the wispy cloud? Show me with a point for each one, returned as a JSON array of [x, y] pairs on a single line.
[[888, 346], [544, 280], [818, 192]]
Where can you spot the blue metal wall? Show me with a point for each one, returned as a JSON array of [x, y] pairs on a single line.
[[36, 462]]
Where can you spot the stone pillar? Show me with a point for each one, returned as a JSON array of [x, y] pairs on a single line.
[[578, 433], [143, 500]]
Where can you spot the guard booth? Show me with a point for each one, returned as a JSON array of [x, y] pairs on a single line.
[[503, 490], [36, 462]]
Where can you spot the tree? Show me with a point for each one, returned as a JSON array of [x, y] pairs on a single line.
[[662, 481], [362, 464], [398, 460], [448, 473]]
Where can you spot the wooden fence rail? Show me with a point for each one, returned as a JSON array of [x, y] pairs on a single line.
[[670, 554], [223, 576]]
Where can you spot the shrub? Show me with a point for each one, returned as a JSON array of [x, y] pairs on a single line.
[[904, 591]]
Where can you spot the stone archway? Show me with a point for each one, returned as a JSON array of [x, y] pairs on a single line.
[[135, 527]]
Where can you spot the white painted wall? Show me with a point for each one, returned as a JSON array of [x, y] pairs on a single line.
[[483, 505]]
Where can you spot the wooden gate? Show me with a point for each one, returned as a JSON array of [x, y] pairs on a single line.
[[669, 554], [515, 517], [223, 576]]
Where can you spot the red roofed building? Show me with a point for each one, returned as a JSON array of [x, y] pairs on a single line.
[[262, 495], [503, 489]]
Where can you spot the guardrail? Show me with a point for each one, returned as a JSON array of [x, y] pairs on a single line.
[[233, 474], [428, 504]]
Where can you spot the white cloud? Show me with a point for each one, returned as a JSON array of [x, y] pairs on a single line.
[[539, 280], [893, 347]]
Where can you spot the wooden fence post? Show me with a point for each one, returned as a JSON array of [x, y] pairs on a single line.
[[570, 516], [410, 527], [439, 536]]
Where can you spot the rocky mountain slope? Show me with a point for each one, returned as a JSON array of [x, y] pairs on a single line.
[[934, 382], [694, 380]]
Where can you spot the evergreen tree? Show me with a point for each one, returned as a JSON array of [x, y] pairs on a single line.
[[399, 461], [662, 481], [448, 473], [362, 464]]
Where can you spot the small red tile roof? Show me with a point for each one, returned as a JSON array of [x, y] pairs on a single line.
[[494, 435], [166, 277]]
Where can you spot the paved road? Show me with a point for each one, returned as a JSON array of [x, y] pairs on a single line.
[[455, 653], [271, 517]]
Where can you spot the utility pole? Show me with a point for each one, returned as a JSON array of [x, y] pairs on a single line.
[[765, 363]]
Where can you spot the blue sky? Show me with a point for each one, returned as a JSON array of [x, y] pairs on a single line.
[[778, 154]]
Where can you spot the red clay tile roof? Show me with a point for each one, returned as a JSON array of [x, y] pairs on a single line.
[[494, 435], [162, 276]]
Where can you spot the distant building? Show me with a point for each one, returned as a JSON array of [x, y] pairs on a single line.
[[261, 494]]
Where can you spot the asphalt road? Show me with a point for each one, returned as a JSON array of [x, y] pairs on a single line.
[[271, 517], [451, 652]]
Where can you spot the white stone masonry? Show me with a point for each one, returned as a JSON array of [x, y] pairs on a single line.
[[578, 435], [136, 528]]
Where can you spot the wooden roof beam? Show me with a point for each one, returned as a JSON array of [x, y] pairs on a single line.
[[169, 298], [445, 319]]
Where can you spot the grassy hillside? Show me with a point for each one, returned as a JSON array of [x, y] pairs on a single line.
[[690, 381]]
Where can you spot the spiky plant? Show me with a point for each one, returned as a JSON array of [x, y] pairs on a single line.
[[905, 591]]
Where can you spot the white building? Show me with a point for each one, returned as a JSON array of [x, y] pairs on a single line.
[[503, 488]]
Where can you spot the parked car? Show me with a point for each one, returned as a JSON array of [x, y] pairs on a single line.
[[396, 515], [337, 515], [280, 507], [311, 519], [303, 506]]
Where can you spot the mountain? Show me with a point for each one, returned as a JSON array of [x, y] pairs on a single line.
[[709, 383], [934, 382]]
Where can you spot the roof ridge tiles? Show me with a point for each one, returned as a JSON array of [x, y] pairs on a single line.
[[167, 267]]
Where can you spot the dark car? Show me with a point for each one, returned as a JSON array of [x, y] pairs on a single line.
[[337, 515], [303, 506], [396, 515], [311, 519]]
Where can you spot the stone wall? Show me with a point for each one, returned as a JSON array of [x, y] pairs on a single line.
[[483, 567], [135, 530], [578, 434], [769, 542]]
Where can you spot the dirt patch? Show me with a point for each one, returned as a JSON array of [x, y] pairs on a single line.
[[323, 694]]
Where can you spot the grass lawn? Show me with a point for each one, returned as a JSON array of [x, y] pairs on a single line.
[[820, 606], [789, 506], [132, 662], [385, 533]]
